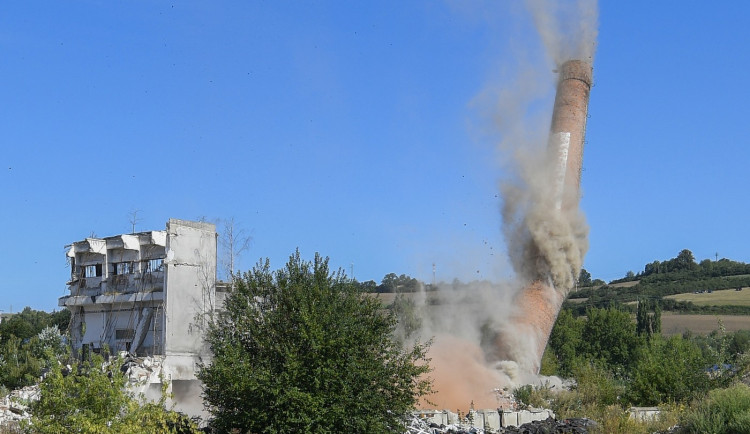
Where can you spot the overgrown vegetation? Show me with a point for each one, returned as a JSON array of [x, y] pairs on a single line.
[[90, 397], [30, 341], [616, 367]]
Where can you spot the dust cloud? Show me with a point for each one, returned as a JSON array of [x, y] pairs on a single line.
[[481, 344]]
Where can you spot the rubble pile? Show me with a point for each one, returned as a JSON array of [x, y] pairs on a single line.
[[141, 370], [14, 407], [550, 425], [506, 400]]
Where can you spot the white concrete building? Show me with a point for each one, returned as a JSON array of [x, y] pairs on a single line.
[[148, 293]]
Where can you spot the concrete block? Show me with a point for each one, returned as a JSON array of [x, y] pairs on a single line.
[[491, 419], [509, 418]]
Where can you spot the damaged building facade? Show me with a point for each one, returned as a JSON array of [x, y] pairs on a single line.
[[150, 294]]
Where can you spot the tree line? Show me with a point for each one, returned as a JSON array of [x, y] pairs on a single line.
[[659, 279]]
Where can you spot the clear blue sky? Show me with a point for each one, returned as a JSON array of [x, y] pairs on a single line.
[[349, 129]]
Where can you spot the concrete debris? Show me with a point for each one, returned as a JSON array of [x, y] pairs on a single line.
[[14, 407], [141, 371], [550, 425], [506, 400]]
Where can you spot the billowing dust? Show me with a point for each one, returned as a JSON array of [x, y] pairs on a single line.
[[490, 336]]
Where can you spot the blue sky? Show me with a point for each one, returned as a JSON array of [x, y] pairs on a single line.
[[352, 129]]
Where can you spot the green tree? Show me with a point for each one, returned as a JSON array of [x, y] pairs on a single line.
[[584, 278], [406, 312], [91, 398], [648, 323], [609, 337], [565, 342], [302, 350], [685, 260], [18, 364], [389, 283]]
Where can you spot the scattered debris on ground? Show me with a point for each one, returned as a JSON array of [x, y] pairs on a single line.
[[419, 425], [14, 407]]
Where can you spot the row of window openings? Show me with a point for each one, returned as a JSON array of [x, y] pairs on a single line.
[[95, 270]]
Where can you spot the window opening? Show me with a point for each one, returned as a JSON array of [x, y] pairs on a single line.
[[155, 265], [94, 270], [122, 268]]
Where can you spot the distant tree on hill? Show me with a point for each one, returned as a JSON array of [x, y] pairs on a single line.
[[685, 260], [584, 278], [368, 286], [394, 283]]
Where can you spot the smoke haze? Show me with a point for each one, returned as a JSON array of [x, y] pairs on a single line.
[[481, 342]]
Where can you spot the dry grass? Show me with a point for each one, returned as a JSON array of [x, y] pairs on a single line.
[[724, 297], [675, 324], [625, 284], [577, 300]]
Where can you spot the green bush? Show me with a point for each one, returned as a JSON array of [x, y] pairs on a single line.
[[668, 370], [723, 411], [92, 398]]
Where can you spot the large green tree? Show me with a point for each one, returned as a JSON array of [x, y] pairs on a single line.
[[302, 350]]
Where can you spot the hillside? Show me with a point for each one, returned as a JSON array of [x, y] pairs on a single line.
[[701, 283]]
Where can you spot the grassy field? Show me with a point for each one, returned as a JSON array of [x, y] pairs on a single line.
[[675, 324], [625, 284], [725, 297]]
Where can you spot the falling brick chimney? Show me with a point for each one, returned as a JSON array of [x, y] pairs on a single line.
[[568, 129], [538, 304]]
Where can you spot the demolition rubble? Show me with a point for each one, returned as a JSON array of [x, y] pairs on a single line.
[[509, 417], [486, 422], [15, 406]]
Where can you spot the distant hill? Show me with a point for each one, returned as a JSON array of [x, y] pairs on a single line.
[[679, 275]]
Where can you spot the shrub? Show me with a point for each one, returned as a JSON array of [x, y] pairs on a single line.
[[723, 411]]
